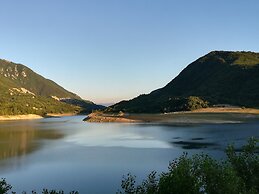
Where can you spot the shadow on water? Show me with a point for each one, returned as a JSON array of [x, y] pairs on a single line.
[[195, 145], [197, 138]]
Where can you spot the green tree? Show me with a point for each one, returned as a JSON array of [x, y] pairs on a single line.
[[4, 186], [202, 174]]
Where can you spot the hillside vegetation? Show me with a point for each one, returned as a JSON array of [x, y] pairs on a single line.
[[23, 91], [220, 77], [19, 76], [29, 104]]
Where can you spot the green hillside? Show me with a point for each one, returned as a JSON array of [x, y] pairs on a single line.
[[219, 77], [20, 104], [18, 75], [23, 91]]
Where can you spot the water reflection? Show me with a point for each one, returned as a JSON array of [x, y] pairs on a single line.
[[118, 135], [19, 140], [195, 145], [72, 155]]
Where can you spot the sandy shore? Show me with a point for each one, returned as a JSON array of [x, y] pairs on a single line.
[[20, 117], [60, 114], [227, 110], [206, 115], [33, 116]]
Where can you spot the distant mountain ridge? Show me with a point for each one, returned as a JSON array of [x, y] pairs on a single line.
[[220, 77], [23, 91]]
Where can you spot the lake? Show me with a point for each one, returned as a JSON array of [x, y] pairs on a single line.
[[66, 153]]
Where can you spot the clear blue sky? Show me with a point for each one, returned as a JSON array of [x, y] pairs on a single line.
[[109, 50]]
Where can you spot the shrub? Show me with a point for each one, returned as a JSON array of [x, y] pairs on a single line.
[[203, 174]]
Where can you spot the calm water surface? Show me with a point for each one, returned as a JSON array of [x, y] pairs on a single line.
[[66, 153]]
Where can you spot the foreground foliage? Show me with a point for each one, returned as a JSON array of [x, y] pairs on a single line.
[[239, 173], [6, 188]]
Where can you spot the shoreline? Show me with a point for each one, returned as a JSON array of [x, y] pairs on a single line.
[[33, 116], [106, 118], [59, 114], [212, 115], [226, 110], [20, 117]]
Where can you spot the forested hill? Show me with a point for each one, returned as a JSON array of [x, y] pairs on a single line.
[[23, 91], [20, 76], [220, 77]]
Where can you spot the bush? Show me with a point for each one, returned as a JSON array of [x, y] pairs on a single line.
[[202, 174], [5, 188], [190, 103]]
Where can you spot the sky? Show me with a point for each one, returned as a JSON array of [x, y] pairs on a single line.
[[112, 50]]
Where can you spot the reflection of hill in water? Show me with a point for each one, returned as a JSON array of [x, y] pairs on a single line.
[[17, 141]]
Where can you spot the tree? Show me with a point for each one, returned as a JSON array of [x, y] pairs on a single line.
[[203, 174]]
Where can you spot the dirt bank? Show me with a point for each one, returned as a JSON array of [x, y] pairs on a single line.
[[207, 115], [19, 117]]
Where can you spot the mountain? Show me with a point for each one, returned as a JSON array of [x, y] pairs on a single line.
[[23, 91], [220, 77], [86, 105]]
